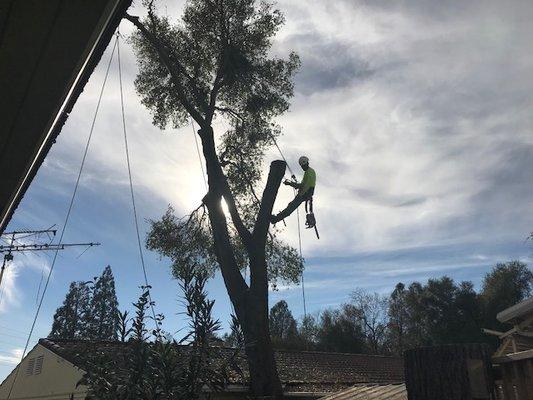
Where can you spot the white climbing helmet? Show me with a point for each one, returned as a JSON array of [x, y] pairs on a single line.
[[303, 160]]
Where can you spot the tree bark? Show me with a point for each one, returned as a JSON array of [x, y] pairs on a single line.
[[264, 379]]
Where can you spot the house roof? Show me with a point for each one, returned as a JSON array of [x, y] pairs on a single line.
[[300, 371], [371, 392], [48, 50]]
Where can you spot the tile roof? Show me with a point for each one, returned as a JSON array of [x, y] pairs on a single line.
[[371, 392], [300, 371]]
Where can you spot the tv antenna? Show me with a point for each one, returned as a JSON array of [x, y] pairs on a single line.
[[15, 246]]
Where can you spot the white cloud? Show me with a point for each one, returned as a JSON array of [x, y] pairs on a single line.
[[415, 115], [23, 263], [12, 358]]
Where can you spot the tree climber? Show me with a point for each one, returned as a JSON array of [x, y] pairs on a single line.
[[306, 189]]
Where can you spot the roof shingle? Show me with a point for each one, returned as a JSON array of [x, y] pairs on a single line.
[[300, 371]]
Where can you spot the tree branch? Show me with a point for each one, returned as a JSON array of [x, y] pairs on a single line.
[[217, 85], [226, 258], [244, 233], [223, 248], [277, 170], [174, 74], [230, 111]]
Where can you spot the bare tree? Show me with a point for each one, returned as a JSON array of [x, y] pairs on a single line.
[[371, 310]]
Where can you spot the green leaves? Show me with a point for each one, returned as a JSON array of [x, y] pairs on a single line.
[[186, 241], [151, 367], [188, 244], [220, 55], [89, 310]]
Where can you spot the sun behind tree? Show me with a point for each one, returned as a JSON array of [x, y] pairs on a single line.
[[216, 63]]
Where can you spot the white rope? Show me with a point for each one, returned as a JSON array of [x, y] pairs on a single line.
[[132, 193], [65, 223]]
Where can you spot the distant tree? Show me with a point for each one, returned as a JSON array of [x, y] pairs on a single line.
[[70, 319], [440, 310], [216, 63], [103, 319], [371, 311], [340, 331], [417, 332], [398, 320], [308, 332], [469, 315], [504, 286], [283, 327]]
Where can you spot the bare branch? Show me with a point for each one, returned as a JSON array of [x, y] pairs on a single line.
[[230, 111]]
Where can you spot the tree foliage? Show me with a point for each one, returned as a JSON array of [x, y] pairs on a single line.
[[283, 327], [151, 367], [439, 311], [340, 331], [70, 320], [89, 311], [104, 315], [187, 242], [506, 285], [218, 65]]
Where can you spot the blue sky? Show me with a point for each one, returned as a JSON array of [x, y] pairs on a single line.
[[415, 114]]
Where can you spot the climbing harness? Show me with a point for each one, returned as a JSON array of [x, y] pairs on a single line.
[[310, 220]]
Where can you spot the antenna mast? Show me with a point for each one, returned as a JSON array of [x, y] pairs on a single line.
[[12, 247]]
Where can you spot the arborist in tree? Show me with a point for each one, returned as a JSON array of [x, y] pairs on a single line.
[[306, 189]]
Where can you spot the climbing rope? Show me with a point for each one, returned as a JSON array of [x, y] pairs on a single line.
[[132, 193], [298, 222], [65, 223], [300, 246], [199, 154], [282, 155]]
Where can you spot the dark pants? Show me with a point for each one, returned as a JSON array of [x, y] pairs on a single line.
[[293, 205]]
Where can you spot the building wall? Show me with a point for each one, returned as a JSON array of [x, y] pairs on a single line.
[[56, 379]]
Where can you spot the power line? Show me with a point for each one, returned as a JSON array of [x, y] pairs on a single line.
[[11, 329], [135, 217], [65, 222]]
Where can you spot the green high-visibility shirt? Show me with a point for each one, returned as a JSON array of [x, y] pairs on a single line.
[[308, 181]]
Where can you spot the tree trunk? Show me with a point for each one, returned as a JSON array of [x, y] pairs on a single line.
[[264, 379], [250, 303]]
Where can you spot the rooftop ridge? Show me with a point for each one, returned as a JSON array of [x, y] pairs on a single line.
[[95, 341]]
